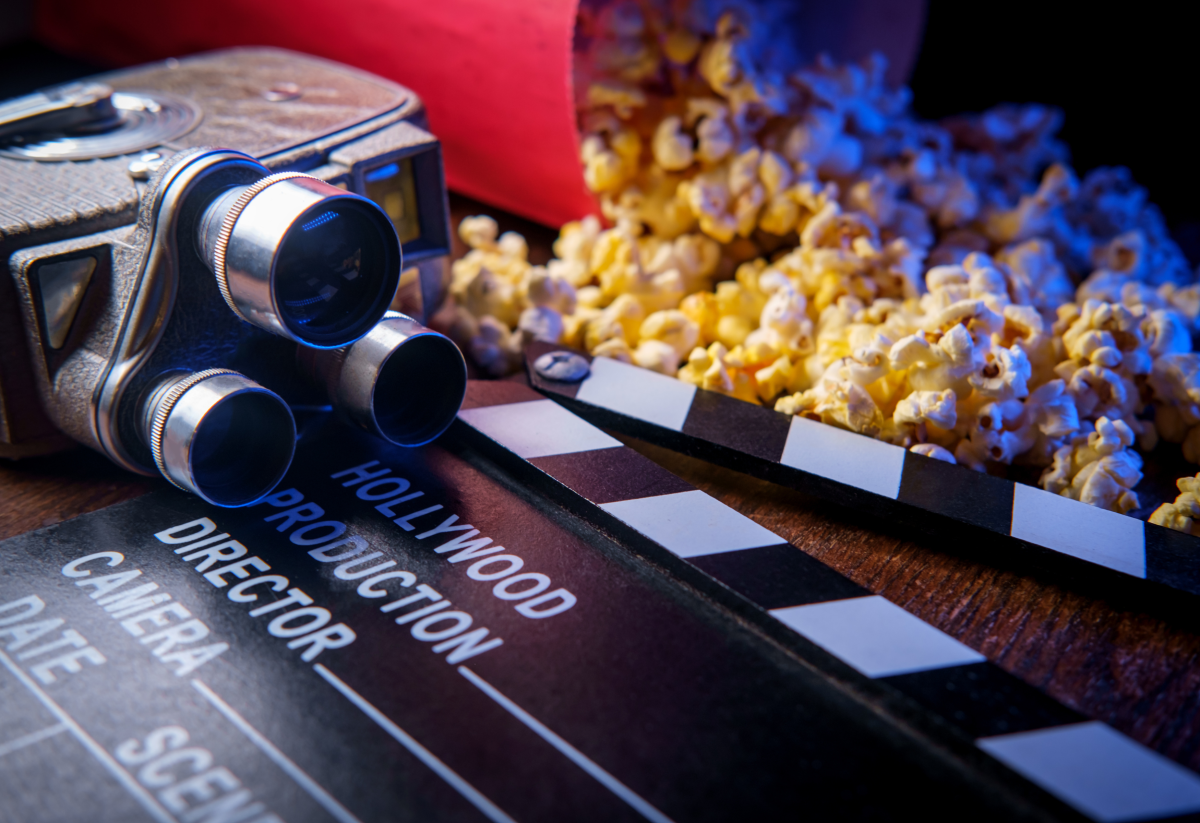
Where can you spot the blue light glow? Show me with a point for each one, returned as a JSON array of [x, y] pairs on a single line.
[[382, 173], [319, 221]]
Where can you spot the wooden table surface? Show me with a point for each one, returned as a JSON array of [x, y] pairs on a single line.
[[1132, 661]]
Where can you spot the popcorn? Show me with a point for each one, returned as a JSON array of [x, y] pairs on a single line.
[[1048, 417], [486, 294], [1035, 212], [658, 356], [709, 369], [714, 135], [1025, 329], [1035, 275], [772, 380], [987, 438], [925, 407], [779, 215], [615, 348], [1175, 383], [979, 321], [681, 46], [1109, 204], [621, 319], [1003, 375], [1108, 335], [790, 234], [1175, 379], [494, 348], [623, 98], [709, 198], [575, 326], [479, 232], [673, 328], [1097, 468], [672, 149], [838, 400], [1097, 390], [775, 173], [1183, 299], [1181, 515], [541, 323], [703, 310], [1165, 332], [542, 288], [719, 61], [933, 450], [948, 364], [784, 324]]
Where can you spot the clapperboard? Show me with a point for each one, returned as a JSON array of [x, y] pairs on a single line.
[[851, 468], [525, 621]]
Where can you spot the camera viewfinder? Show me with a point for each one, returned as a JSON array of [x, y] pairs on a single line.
[[393, 187]]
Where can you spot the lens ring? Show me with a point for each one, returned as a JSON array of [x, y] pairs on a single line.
[[165, 406], [226, 232], [220, 436], [272, 260], [402, 381]]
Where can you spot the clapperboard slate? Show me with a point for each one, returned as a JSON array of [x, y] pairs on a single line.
[[849, 468], [432, 634]]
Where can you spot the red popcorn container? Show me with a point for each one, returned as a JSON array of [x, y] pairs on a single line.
[[495, 75]]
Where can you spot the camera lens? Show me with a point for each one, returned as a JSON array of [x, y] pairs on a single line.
[[301, 258], [402, 382], [419, 390], [220, 435], [323, 285]]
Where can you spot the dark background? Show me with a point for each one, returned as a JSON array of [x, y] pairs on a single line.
[[1125, 76]]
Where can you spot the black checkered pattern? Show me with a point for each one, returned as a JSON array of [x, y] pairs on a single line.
[[856, 470]]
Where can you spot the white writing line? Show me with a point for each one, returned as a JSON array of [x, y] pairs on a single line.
[[579, 758], [31, 738], [280, 759], [423, 754], [97, 751]]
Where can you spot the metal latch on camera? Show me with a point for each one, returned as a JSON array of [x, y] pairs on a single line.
[[73, 107]]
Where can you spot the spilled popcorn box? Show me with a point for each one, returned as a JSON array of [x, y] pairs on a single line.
[[867, 642], [792, 235], [861, 472]]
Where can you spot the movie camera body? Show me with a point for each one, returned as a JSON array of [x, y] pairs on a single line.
[[169, 301]]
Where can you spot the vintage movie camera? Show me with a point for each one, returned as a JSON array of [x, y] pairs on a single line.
[[168, 301]]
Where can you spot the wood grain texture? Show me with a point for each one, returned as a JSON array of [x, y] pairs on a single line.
[[1130, 661], [41, 491]]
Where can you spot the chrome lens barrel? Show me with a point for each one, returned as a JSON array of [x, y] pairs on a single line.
[[402, 381], [219, 435], [302, 259]]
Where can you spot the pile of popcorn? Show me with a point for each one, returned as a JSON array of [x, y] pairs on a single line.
[[798, 238]]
